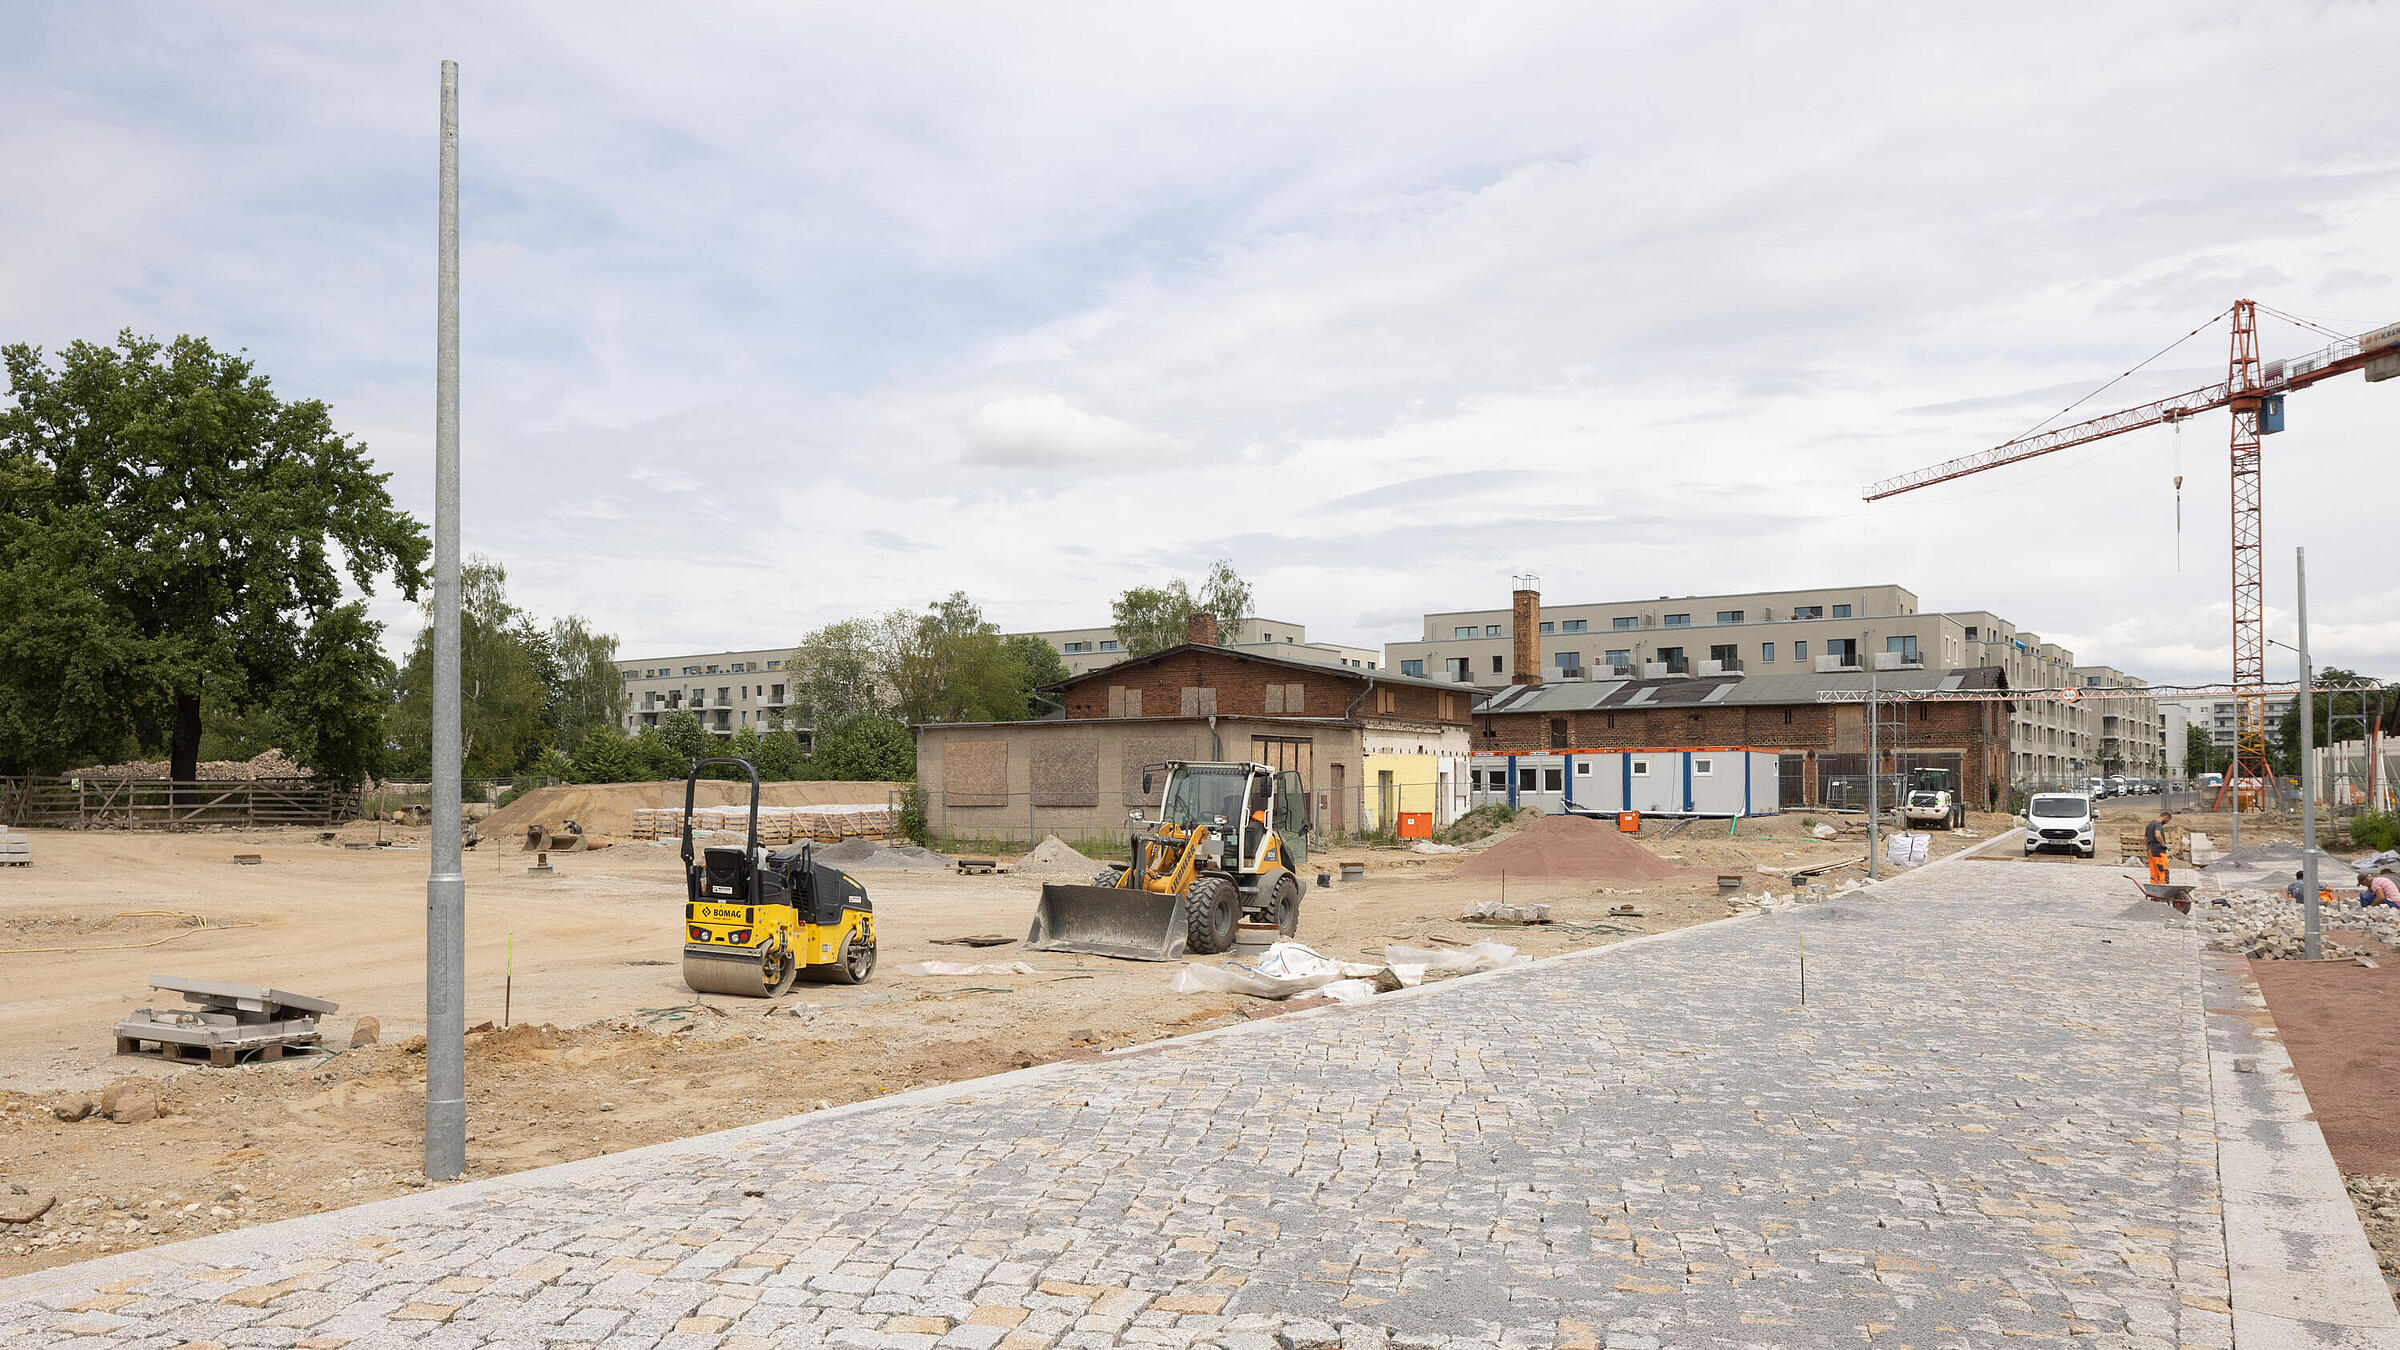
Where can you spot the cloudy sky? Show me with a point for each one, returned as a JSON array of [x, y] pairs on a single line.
[[777, 313]]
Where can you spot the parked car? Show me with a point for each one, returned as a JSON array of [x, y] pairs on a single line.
[[2059, 821]]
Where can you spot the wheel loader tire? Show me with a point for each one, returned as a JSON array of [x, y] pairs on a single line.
[[852, 964], [1112, 875], [1284, 903], [1212, 910]]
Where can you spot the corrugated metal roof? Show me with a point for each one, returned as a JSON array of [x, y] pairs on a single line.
[[1798, 687]]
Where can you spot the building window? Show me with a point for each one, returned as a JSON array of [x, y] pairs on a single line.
[[1495, 665], [1800, 650], [1702, 768], [1569, 663], [1464, 631], [1971, 633], [774, 665], [1546, 626], [1416, 668], [1619, 659], [1491, 630], [1729, 616], [1457, 666], [1808, 611], [1641, 768], [1620, 624], [1583, 768], [1573, 625], [1727, 654], [1108, 644], [1553, 780], [1766, 652], [1073, 647], [1841, 611], [1679, 621], [1787, 717], [1558, 733], [1265, 636], [1907, 647]]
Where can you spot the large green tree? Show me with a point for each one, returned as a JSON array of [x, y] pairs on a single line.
[[504, 701], [1038, 667], [174, 535], [1153, 618], [587, 692]]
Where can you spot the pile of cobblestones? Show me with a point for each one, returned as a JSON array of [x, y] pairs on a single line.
[[2267, 925]]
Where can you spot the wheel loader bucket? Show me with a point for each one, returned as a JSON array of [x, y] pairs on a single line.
[[1108, 921]]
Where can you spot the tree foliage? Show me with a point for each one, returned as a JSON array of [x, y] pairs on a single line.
[[524, 686], [2285, 749], [1151, 619], [176, 538], [945, 663]]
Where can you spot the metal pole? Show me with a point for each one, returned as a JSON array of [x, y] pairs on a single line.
[[1874, 776], [446, 887], [2312, 921]]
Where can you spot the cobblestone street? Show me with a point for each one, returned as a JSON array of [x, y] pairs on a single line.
[[1992, 1118]]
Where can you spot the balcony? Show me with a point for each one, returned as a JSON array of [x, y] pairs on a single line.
[[1837, 663]]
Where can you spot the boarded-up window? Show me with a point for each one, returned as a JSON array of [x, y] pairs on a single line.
[[974, 773], [1124, 702], [1198, 702], [1274, 700], [1295, 699], [1152, 749], [1066, 771], [1283, 753]]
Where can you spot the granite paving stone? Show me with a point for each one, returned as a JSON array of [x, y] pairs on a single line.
[[1991, 1119]]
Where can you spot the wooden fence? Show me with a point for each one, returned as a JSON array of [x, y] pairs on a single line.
[[156, 804]]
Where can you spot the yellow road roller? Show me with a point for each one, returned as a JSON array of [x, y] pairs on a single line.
[[755, 921]]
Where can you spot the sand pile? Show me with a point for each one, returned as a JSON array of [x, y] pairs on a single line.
[[1570, 846], [1055, 861], [607, 808]]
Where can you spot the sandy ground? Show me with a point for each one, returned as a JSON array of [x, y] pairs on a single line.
[[607, 1050]]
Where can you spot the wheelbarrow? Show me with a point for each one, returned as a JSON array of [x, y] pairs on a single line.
[[2176, 893]]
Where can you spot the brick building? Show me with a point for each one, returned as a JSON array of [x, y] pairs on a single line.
[[1360, 739], [1822, 746]]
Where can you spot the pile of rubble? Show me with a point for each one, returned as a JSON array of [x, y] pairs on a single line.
[[2268, 925], [267, 764], [2378, 1202]]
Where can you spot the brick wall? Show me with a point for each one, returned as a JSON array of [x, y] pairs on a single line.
[[1245, 688], [1976, 731]]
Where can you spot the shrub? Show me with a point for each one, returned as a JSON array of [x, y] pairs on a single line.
[[2375, 831]]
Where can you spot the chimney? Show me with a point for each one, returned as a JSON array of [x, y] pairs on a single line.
[[1201, 629], [1525, 625]]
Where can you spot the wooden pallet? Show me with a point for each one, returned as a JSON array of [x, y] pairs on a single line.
[[216, 1056]]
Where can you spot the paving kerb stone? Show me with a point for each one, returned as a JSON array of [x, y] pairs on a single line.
[[2300, 1270], [1513, 1136]]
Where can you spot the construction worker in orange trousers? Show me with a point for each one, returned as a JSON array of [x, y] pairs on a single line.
[[2154, 841]]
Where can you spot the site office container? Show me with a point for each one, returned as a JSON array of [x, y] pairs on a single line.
[[1697, 780]]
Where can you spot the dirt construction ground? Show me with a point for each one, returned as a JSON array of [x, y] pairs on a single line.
[[606, 1049]]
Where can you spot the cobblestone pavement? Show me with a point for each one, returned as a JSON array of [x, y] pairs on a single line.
[[1991, 1119]]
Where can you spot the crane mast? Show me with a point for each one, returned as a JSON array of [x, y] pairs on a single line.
[[2253, 392]]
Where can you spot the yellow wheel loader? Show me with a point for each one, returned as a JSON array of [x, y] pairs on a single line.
[[1225, 843], [754, 921]]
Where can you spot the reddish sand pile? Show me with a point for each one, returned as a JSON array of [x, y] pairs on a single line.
[[1570, 846]]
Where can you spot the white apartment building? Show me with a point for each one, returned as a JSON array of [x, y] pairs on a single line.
[[1089, 649], [728, 690], [1786, 632], [2214, 714]]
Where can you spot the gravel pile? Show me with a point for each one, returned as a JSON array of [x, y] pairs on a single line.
[[1056, 860], [2268, 925], [267, 764], [2378, 1202]]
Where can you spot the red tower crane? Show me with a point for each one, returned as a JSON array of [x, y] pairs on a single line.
[[2254, 391]]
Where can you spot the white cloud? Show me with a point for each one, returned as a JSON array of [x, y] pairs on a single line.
[[1045, 429], [842, 309]]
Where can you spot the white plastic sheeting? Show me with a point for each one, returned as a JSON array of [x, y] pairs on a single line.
[[1413, 964], [1288, 968]]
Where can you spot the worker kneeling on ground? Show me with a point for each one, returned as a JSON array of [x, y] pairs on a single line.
[[2154, 841]]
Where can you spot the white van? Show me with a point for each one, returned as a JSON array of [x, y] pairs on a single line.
[[2058, 820]]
